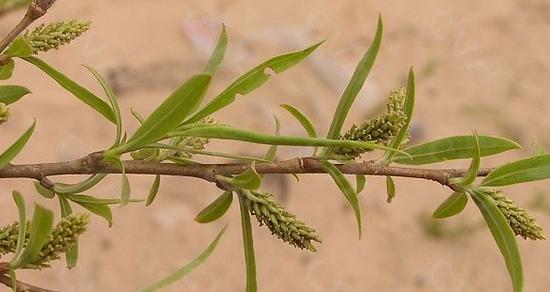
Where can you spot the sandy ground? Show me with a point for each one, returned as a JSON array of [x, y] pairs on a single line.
[[481, 65]]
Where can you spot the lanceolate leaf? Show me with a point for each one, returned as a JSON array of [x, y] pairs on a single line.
[[303, 120], [409, 109], [248, 243], [13, 150], [272, 151], [80, 198], [114, 103], [230, 133], [250, 81], [12, 93], [153, 191], [360, 181], [456, 147], [219, 52], [346, 189], [80, 187], [41, 227], [216, 209], [169, 114], [390, 188], [453, 205], [102, 210], [179, 274], [474, 166], [504, 237], [77, 90], [356, 83], [521, 171], [6, 70], [44, 192], [248, 180], [20, 202]]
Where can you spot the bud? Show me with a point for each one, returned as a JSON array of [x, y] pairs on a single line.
[[521, 222], [4, 113], [279, 221], [53, 35], [380, 130], [60, 241]]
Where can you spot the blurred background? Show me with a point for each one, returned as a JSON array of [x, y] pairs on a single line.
[[480, 65]]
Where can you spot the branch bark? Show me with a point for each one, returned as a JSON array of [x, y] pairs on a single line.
[[21, 287], [93, 164]]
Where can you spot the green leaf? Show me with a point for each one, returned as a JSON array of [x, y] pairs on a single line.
[[169, 114], [248, 180], [356, 83], [71, 256], [503, 235], [248, 243], [403, 133], [360, 182], [6, 70], [125, 192], [12, 93], [114, 104], [526, 170], [153, 191], [80, 187], [40, 229], [474, 166], [250, 81], [80, 198], [272, 152], [20, 202], [44, 192], [102, 210], [303, 120], [20, 47], [390, 188], [219, 52], [179, 274], [455, 147], [15, 148], [230, 133], [138, 116], [77, 90], [346, 189], [453, 205], [216, 209]]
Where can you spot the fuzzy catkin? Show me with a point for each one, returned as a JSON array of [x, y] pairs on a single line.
[[62, 238], [53, 35], [280, 222], [4, 113], [194, 143], [380, 130], [8, 238], [521, 222]]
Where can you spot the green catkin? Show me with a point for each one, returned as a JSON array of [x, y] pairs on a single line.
[[521, 222], [194, 143], [280, 222], [379, 130], [8, 238], [53, 35], [4, 113]]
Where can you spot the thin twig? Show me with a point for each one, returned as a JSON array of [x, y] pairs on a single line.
[[22, 287], [93, 163], [36, 10]]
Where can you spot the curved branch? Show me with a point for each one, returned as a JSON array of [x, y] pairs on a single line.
[[93, 163]]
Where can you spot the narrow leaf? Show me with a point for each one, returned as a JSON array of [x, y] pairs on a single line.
[[102, 210], [456, 147], [272, 152], [40, 229], [15, 148], [356, 83], [179, 274], [250, 81], [125, 192], [304, 121], [347, 190], [409, 108], [216, 209], [360, 181], [219, 52], [169, 114], [77, 90], [20, 47], [390, 188], [474, 166], [80, 198], [80, 187], [44, 192], [153, 191], [504, 237], [453, 205], [6, 70], [12, 93], [248, 180], [248, 243], [20, 202], [526, 170]]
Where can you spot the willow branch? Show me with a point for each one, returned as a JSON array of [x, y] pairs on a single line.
[[93, 164], [37, 9], [21, 287]]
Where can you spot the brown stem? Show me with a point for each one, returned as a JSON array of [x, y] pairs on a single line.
[[93, 163], [36, 10], [21, 287]]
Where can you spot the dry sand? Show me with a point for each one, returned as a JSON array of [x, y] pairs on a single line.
[[481, 65]]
